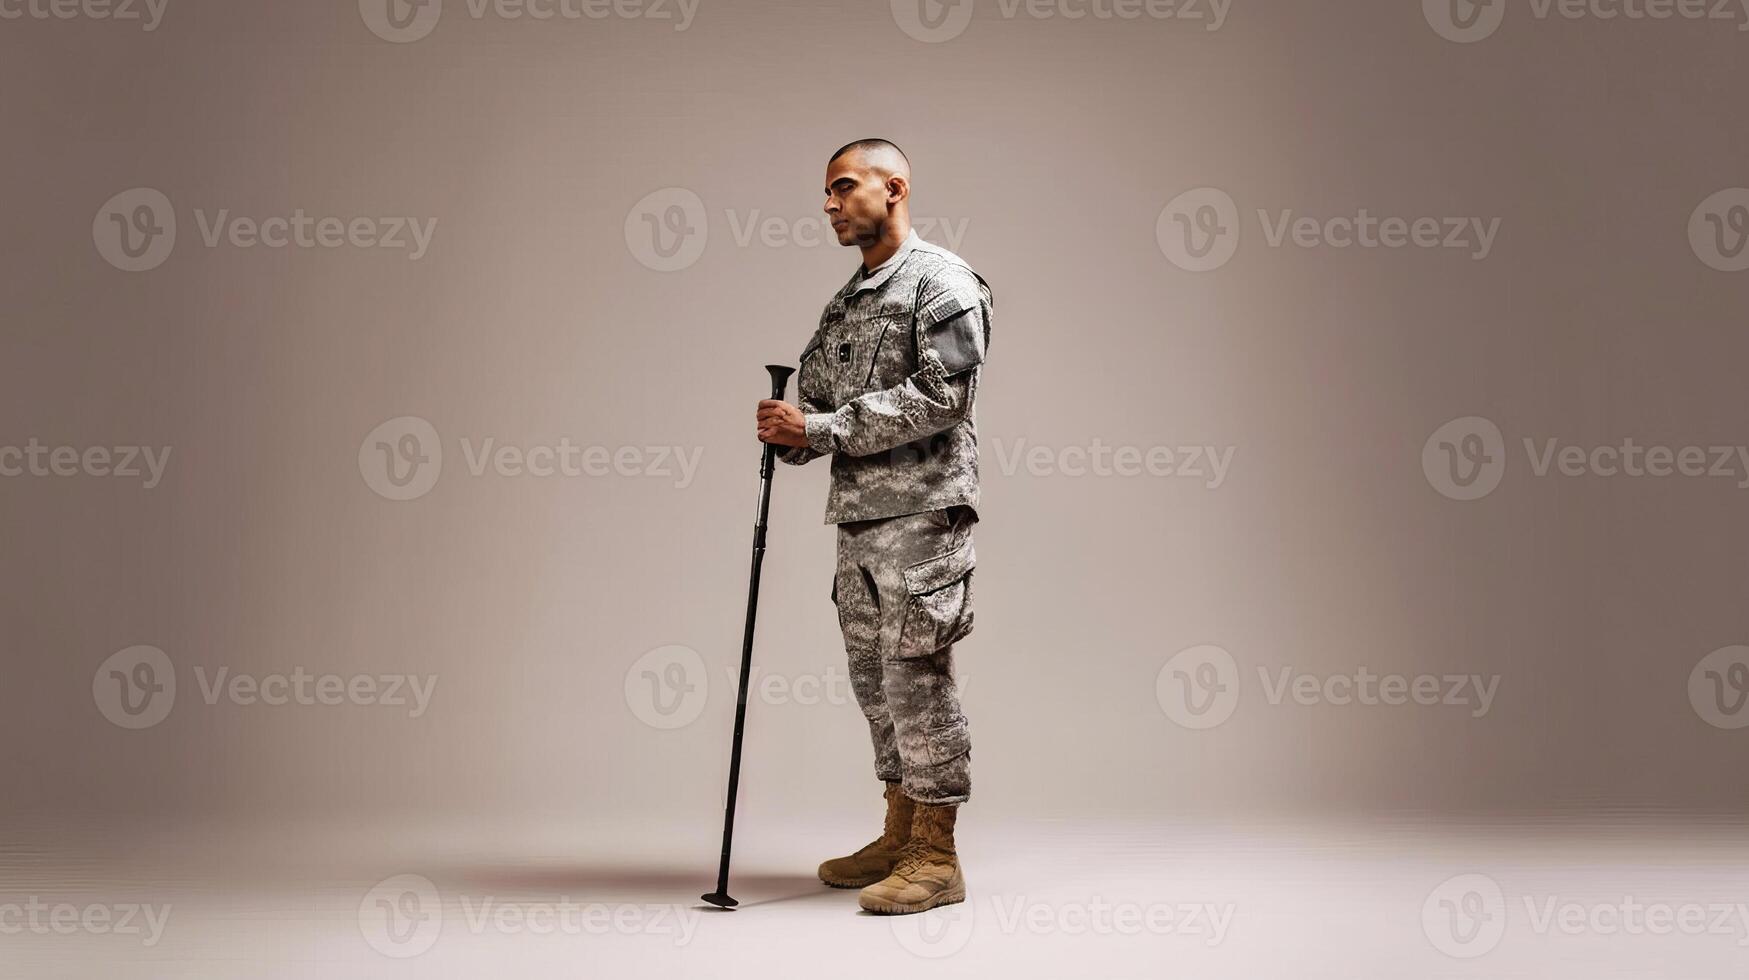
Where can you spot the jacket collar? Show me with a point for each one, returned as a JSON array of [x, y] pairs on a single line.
[[881, 273]]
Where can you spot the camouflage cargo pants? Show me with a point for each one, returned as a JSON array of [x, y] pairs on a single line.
[[904, 594]]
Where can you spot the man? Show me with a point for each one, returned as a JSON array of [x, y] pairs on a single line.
[[886, 388]]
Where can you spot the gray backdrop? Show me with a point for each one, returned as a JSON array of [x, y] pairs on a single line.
[[1423, 571]]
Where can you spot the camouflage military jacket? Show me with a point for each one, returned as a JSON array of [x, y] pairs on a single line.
[[888, 383]]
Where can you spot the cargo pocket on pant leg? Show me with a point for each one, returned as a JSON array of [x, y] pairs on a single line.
[[946, 744], [938, 605]]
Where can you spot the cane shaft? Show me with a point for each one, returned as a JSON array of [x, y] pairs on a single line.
[[779, 378]]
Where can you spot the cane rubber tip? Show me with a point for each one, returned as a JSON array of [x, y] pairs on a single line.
[[720, 900]]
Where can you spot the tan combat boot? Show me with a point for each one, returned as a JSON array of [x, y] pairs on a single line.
[[876, 859], [928, 872]]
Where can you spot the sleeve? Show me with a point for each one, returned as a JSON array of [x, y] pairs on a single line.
[[954, 318], [809, 391], [953, 331]]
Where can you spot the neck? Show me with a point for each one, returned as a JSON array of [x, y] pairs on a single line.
[[892, 236]]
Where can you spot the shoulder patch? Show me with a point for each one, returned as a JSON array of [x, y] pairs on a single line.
[[950, 320]]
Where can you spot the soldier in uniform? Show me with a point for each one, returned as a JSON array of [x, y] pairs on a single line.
[[886, 388]]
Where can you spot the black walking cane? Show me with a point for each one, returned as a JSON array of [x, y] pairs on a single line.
[[720, 897]]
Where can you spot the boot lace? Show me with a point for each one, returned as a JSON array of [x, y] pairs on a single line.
[[912, 856]]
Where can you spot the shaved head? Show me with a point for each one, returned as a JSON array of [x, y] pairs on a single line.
[[882, 156]]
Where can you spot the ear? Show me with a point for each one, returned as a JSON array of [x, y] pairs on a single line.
[[898, 189]]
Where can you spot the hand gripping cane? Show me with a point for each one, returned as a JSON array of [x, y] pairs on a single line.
[[720, 897]]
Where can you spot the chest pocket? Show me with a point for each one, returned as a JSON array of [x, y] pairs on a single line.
[[871, 353]]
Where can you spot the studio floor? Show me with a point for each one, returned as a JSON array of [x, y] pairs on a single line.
[[1375, 898]]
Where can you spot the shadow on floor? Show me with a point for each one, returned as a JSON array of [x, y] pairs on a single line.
[[627, 884]]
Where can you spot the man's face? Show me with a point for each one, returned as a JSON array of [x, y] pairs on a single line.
[[856, 200]]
